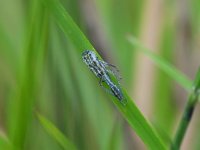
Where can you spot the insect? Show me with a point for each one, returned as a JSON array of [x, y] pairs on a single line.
[[101, 70]]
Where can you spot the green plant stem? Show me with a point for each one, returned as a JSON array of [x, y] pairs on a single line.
[[187, 114], [185, 120]]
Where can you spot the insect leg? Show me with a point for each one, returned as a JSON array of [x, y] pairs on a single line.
[[111, 69], [100, 81], [109, 65]]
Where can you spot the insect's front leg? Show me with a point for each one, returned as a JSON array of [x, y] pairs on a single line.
[[100, 81]]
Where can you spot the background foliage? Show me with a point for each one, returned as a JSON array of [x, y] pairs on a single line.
[[50, 101]]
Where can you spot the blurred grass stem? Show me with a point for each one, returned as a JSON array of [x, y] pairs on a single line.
[[187, 114]]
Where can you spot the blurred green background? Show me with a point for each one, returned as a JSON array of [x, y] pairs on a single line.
[[40, 71]]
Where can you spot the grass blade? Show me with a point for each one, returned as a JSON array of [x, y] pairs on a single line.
[[4, 142], [55, 133], [164, 65], [187, 113], [68, 27], [130, 112], [23, 99]]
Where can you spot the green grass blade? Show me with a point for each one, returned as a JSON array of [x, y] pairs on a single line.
[[140, 125], [130, 112], [187, 113], [4, 143], [163, 64], [23, 98], [55, 133], [197, 82], [68, 27]]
